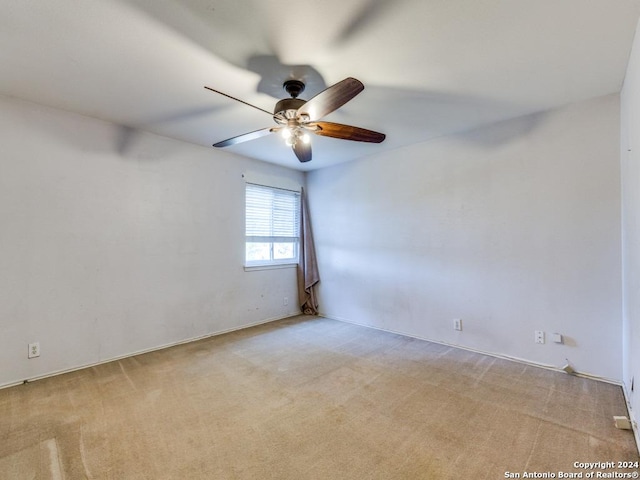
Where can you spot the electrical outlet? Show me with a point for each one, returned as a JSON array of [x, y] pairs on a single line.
[[539, 336], [34, 350], [285, 301], [457, 324]]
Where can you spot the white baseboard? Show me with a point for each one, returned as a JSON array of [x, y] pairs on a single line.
[[148, 350], [475, 350], [632, 418], [636, 433]]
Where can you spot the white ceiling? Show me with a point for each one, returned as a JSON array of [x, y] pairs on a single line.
[[430, 67]]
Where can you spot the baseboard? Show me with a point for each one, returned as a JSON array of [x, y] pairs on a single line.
[[636, 433], [148, 350], [632, 418], [474, 350]]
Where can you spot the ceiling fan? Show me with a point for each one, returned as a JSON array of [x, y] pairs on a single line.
[[296, 118]]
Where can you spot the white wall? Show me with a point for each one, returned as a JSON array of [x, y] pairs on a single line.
[[113, 242], [513, 228], [630, 162]]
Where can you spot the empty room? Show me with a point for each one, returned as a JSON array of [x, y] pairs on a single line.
[[357, 239]]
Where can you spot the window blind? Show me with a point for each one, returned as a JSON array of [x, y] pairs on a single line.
[[272, 219]]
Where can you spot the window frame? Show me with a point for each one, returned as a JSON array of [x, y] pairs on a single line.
[[272, 239]]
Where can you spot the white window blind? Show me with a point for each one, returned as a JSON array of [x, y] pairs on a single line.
[[272, 225]]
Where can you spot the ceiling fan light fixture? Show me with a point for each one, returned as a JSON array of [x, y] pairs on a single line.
[[286, 133], [305, 138]]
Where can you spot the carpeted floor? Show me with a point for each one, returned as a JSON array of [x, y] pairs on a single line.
[[309, 398]]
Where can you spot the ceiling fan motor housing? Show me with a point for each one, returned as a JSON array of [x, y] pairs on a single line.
[[287, 104]]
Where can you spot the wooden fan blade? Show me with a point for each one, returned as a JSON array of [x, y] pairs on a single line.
[[302, 151], [348, 132], [238, 100], [331, 99], [245, 137]]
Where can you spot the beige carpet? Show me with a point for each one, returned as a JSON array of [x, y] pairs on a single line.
[[309, 398]]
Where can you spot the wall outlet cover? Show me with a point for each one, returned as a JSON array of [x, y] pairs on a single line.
[[34, 350]]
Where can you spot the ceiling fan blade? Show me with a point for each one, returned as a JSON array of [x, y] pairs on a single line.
[[348, 132], [245, 137], [238, 100], [331, 99], [302, 151]]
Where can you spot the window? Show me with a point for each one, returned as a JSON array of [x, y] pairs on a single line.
[[272, 226]]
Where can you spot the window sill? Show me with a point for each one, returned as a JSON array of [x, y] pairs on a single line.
[[269, 266]]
